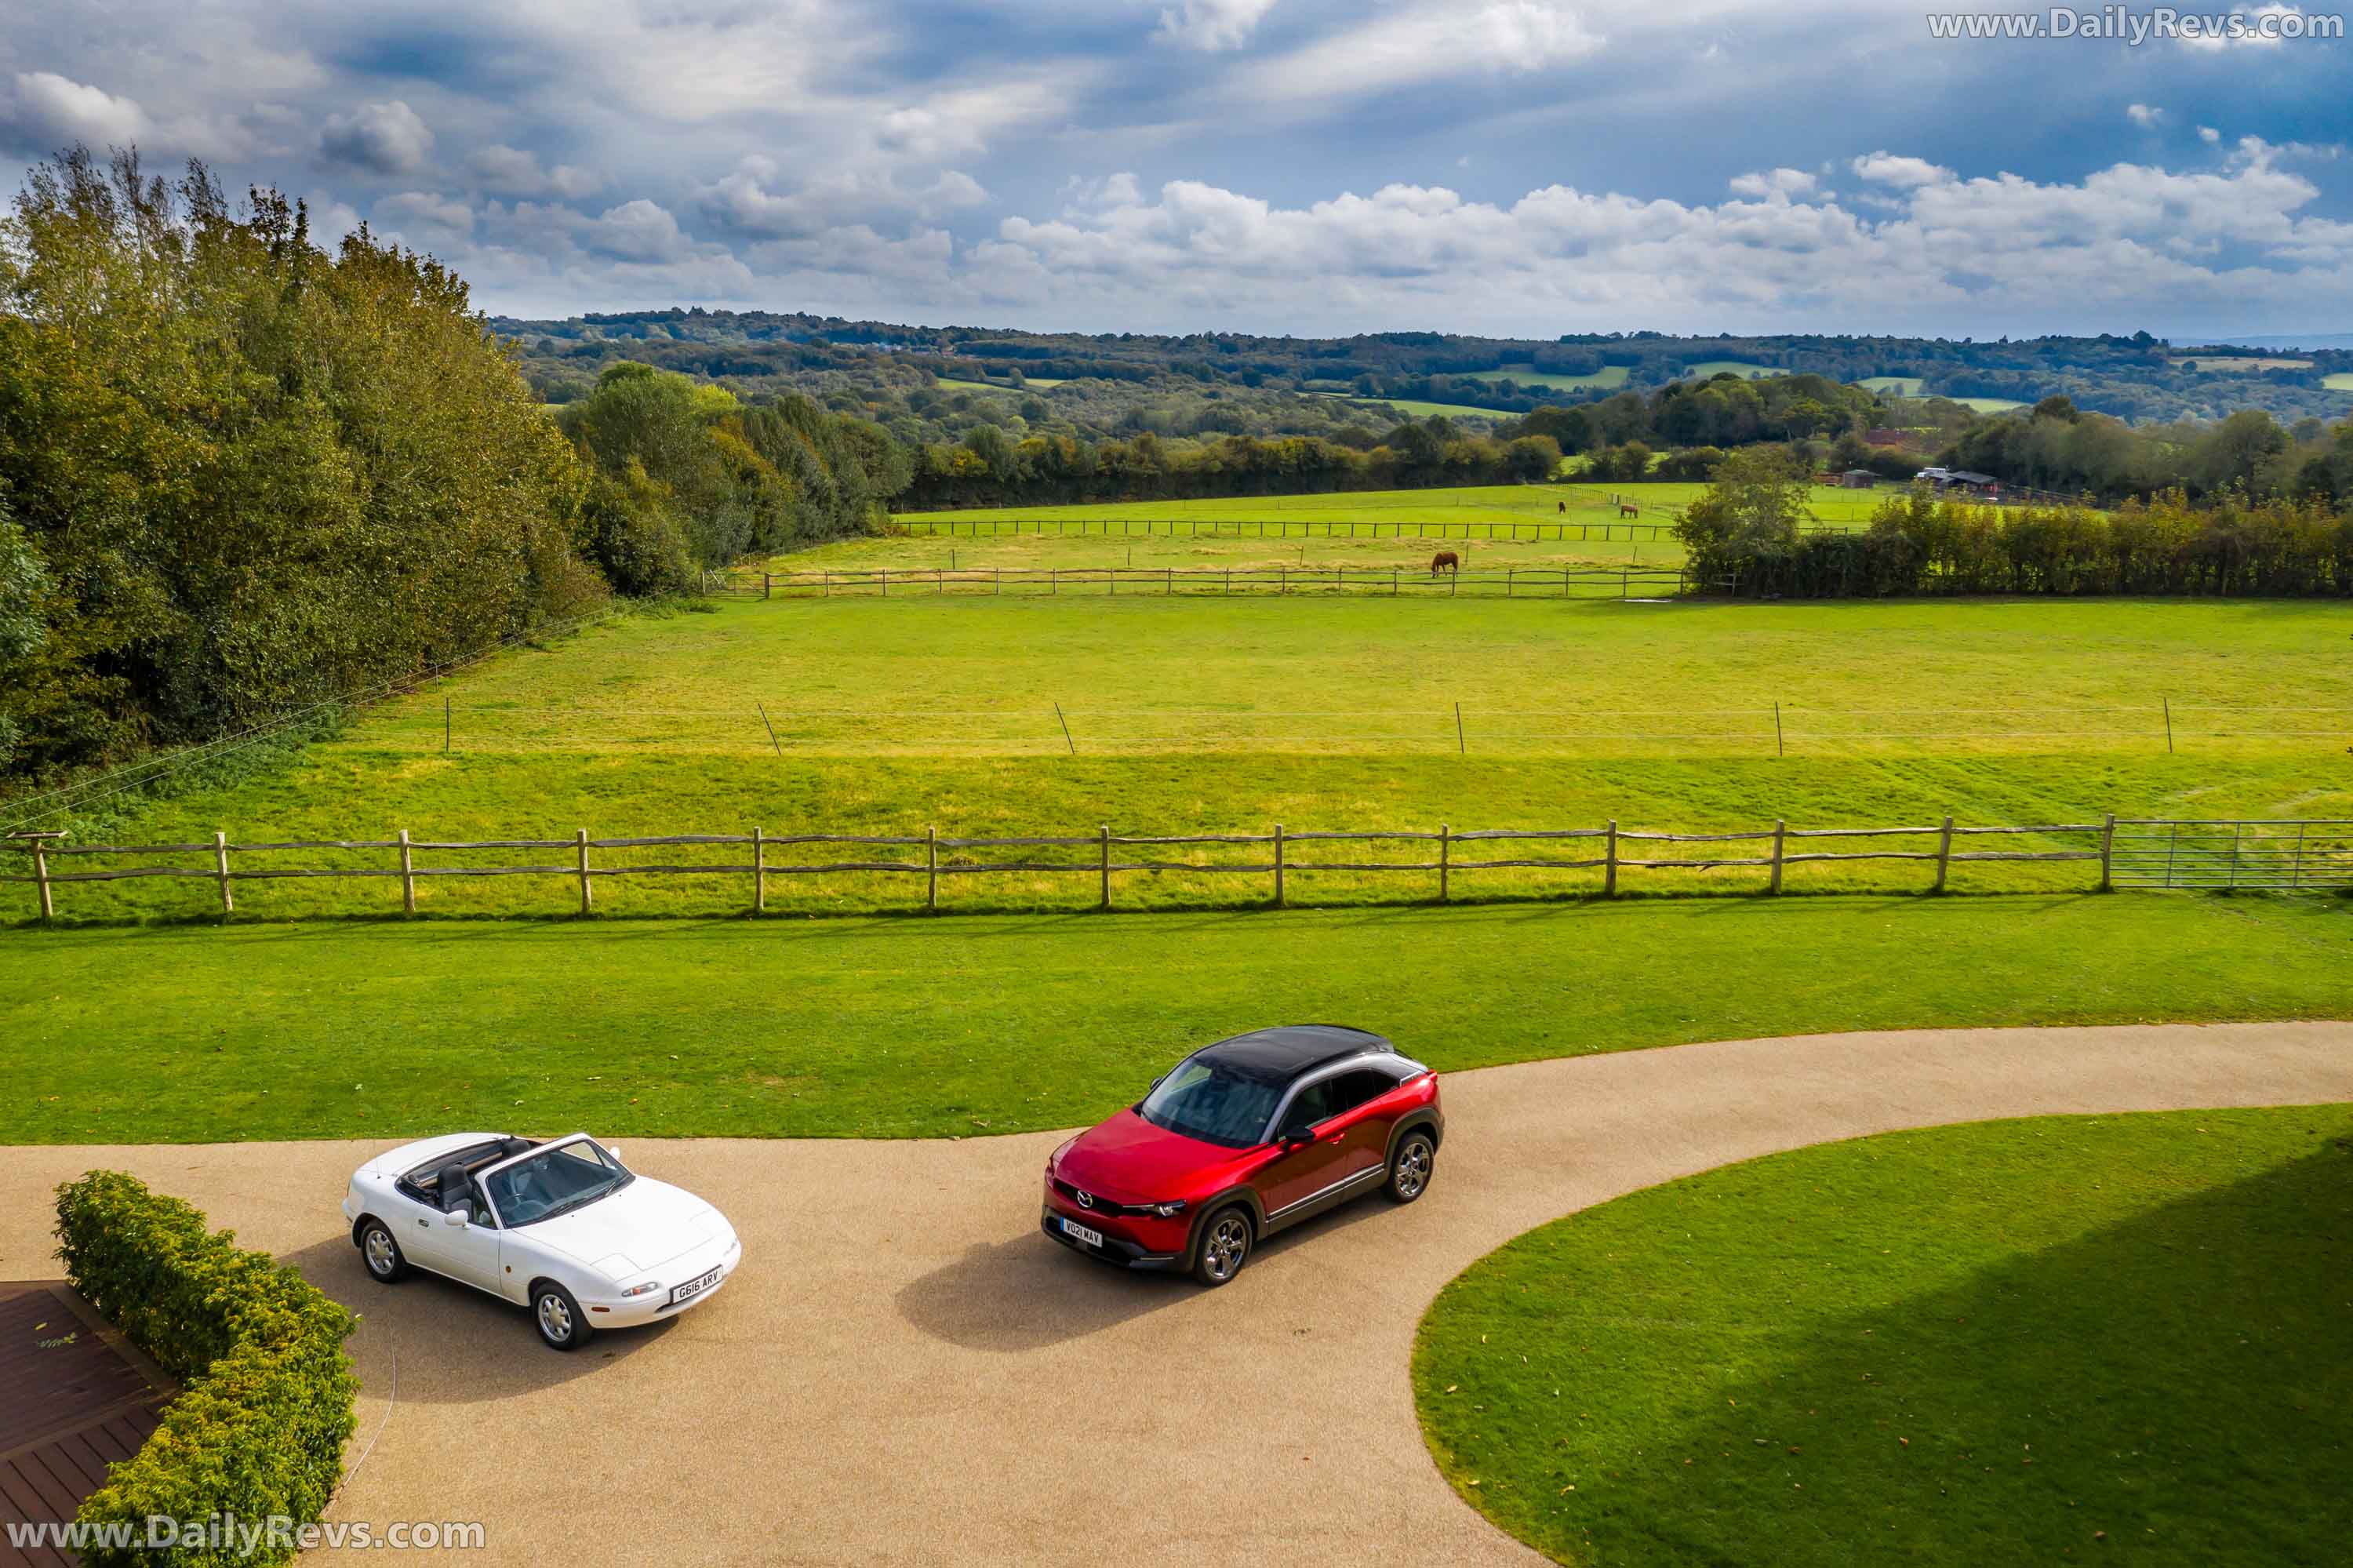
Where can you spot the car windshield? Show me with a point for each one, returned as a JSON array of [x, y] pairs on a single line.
[[553, 1181], [1215, 1104]]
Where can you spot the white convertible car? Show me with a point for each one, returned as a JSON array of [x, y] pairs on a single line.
[[562, 1227]]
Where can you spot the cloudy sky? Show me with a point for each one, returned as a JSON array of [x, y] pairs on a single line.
[[1526, 168]]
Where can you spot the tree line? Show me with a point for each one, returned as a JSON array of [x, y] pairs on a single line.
[[241, 474], [1747, 534]]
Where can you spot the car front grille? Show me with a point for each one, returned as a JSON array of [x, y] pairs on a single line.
[[1097, 1203]]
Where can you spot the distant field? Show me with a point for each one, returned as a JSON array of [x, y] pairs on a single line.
[[1588, 501], [2340, 382], [2222, 364], [1527, 374], [1034, 381], [1902, 385], [1750, 368], [1422, 409], [1990, 405]]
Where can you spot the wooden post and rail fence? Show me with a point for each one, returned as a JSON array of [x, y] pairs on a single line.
[[1629, 581], [2296, 856]]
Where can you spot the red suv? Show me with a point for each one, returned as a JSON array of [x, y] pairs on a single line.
[[1240, 1139]]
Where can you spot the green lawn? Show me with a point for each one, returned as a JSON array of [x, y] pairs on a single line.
[[890, 716], [2340, 382], [2064, 1339], [963, 1025], [1990, 405], [1902, 385]]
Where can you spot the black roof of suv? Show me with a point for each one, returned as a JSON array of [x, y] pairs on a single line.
[[1279, 1054]]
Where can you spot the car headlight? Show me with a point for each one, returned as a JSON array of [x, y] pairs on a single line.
[[1164, 1211], [648, 1288]]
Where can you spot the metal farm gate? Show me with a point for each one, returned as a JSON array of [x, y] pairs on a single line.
[[2222, 853]]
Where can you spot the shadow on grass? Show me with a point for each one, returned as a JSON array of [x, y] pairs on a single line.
[[2178, 1386]]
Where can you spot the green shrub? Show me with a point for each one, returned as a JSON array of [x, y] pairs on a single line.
[[266, 1405]]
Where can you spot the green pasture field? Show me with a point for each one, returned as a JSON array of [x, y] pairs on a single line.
[[1527, 374], [1588, 501], [1421, 409], [2060, 1339], [1037, 382], [2340, 382], [1027, 715], [1301, 546], [1712, 368], [962, 1026], [1902, 385], [2218, 364]]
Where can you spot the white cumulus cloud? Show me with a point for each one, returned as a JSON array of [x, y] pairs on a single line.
[[382, 138], [2144, 115], [52, 111]]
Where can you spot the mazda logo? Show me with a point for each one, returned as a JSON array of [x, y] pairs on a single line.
[[1086, 1200]]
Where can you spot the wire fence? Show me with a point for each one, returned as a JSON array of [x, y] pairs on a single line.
[[1411, 725], [2301, 856]]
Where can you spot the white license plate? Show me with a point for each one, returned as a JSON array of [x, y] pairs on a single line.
[[694, 1287], [1072, 1228]]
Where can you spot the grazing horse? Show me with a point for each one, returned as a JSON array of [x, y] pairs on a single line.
[[1564, 506], [1627, 509], [1445, 561]]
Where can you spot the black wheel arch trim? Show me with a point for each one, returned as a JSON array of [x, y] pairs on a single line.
[[1418, 1121], [1244, 1197], [360, 1225]]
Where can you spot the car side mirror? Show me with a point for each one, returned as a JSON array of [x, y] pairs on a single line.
[[1303, 1133], [459, 1217], [1160, 1080]]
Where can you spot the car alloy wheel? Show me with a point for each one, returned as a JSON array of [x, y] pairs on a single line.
[[381, 1254], [1225, 1246], [1409, 1171], [560, 1323]]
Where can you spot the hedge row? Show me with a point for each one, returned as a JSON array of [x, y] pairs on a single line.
[[265, 1403]]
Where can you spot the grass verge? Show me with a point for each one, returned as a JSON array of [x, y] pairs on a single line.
[[962, 1026], [2066, 1339]]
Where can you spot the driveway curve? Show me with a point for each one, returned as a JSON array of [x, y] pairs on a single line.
[[907, 1372]]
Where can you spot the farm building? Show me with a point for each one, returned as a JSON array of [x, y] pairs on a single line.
[[1858, 479], [1983, 485]]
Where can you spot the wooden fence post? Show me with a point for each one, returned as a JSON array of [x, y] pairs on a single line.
[[1445, 858], [1780, 832], [1105, 864], [1278, 865], [408, 876], [582, 841], [767, 584], [2107, 852], [1610, 862], [41, 877], [1944, 853], [932, 869], [220, 869], [759, 871]]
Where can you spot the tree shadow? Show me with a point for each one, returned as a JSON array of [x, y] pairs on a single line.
[[2178, 1385]]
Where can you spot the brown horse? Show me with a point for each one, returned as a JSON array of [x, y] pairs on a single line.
[[1445, 561], [1627, 509]]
